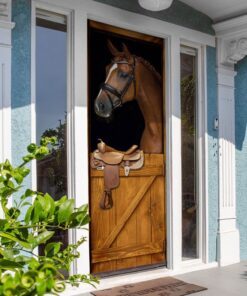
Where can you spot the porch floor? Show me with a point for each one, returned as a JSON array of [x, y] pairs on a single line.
[[225, 281]]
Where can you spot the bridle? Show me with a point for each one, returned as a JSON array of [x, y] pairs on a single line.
[[117, 100]]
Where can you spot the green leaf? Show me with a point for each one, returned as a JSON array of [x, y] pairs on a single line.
[[29, 192], [18, 177], [7, 165], [83, 208], [9, 254], [14, 213], [24, 244], [27, 218], [65, 211], [9, 264], [44, 237], [41, 152], [22, 233], [41, 286], [24, 171], [38, 214], [79, 219], [28, 157], [31, 148], [61, 200], [47, 204], [28, 279], [34, 264], [59, 286], [3, 223], [9, 184], [52, 249]]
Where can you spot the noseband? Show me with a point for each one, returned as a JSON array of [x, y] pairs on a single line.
[[117, 101]]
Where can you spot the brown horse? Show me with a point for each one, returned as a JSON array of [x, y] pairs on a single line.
[[133, 78]]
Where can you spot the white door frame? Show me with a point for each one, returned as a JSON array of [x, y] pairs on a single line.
[[78, 13]]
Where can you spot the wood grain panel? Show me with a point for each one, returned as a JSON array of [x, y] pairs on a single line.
[[146, 171], [123, 219], [158, 216], [124, 32], [126, 220], [104, 255], [132, 233]]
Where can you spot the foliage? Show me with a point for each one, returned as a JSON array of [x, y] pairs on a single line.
[[22, 271], [188, 91], [56, 164]]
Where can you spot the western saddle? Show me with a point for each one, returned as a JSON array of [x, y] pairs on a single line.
[[110, 160]]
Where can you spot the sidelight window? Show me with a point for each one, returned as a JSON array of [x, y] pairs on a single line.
[[51, 104], [189, 153]]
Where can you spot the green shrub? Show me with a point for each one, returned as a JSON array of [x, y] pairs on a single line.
[[22, 271]]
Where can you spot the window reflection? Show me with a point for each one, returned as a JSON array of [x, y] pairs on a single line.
[[51, 108], [189, 170]]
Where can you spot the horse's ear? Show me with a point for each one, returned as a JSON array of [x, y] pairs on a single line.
[[112, 48], [126, 50]]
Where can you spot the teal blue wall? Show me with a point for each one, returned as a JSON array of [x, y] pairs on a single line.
[[179, 13], [21, 80], [241, 152], [212, 153]]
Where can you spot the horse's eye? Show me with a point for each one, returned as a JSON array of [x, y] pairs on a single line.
[[123, 74]]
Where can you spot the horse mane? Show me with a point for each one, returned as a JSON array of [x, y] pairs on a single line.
[[150, 67], [145, 63]]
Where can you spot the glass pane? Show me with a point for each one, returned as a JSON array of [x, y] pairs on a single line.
[[51, 108], [189, 173]]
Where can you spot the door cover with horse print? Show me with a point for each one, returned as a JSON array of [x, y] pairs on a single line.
[[127, 183]]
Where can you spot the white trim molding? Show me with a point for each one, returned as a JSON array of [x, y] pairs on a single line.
[[5, 10], [5, 80], [231, 41], [232, 47]]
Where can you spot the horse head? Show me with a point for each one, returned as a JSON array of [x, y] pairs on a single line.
[[119, 85]]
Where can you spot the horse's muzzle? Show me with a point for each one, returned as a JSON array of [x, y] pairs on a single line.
[[102, 108]]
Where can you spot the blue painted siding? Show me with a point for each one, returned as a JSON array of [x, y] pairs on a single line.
[[212, 153], [21, 80], [241, 153]]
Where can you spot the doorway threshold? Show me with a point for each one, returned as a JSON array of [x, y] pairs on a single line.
[[130, 271], [114, 281]]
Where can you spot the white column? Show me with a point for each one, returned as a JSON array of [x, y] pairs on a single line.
[[228, 234], [231, 48], [5, 79]]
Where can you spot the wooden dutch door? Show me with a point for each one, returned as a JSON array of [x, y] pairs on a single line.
[[132, 234]]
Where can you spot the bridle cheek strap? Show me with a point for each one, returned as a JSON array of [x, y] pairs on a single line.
[[118, 95]]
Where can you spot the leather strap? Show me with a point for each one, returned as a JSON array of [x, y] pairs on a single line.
[[111, 181], [117, 100], [106, 202]]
